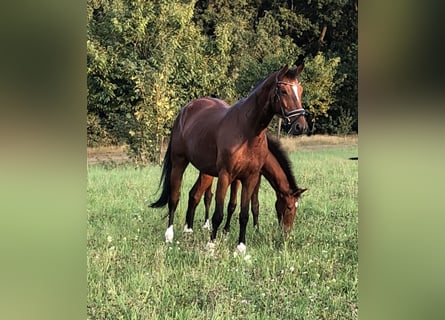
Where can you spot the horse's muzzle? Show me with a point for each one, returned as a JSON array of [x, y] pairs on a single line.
[[297, 127], [285, 229]]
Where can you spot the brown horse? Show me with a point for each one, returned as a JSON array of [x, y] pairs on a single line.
[[229, 143], [276, 169]]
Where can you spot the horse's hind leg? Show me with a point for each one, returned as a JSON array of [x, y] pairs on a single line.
[[208, 195], [232, 203], [178, 169], [256, 205], [203, 183]]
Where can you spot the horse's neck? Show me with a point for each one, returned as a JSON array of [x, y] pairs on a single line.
[[256, 109], [276, 176]]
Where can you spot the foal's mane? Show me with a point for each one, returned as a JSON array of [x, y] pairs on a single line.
[[277, 150]]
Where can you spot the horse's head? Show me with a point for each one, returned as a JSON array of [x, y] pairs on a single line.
[[287, 99], [286, 206]]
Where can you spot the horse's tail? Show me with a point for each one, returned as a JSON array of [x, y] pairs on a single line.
[[165, 179]]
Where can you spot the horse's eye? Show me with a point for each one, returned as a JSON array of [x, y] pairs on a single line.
[[283, 92]]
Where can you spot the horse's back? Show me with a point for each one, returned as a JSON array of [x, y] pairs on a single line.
[[210, 109], [201, 116]]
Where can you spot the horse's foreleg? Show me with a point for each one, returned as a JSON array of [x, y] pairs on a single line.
[[232, 203], [256, 204], [246, 195], [175, 182], [221, 189], [203, 183]]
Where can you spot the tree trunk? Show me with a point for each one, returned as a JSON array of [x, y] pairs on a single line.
[[323, 34], [279, 127]]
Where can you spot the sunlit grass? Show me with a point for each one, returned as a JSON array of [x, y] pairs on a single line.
[[133, 274], [317, 142]]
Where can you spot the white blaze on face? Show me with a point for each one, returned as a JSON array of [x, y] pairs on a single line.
[[295, 90], [296, 204]]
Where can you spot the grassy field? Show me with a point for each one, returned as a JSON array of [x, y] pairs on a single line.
[[134, 274]]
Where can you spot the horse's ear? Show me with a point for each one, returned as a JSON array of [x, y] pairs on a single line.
[[299, 192], [299, 69]]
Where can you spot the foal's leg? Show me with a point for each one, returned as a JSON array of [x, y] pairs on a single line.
[[178, 168], [208, 195], [249, 185], [221, 190], [202, 184], [232, 203], [256, 204]]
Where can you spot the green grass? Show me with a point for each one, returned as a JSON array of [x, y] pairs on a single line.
[[133, 274]]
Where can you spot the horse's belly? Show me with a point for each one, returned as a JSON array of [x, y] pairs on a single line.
[[204, 159]]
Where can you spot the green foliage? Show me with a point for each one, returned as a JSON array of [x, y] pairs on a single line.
[[171, 36], [269, 51], [96, 134], [345, 122], [134, 83], [319, 80], [147, 59]]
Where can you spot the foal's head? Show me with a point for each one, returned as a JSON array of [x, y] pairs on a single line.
[[287, 191], [287, 99], [286, 206]]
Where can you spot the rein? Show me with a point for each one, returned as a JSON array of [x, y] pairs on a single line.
[[287, 115]]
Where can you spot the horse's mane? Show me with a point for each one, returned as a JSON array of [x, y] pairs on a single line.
[[260, 82], [277, 150]]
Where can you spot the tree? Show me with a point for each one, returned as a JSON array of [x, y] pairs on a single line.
[[135, 49], [147, 59], [115, 34], [329, 27], [319, 79]]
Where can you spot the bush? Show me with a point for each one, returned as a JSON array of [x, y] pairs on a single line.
[[345, 122], [97, 135]]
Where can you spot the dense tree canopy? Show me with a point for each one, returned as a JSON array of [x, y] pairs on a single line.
[[146, 59]]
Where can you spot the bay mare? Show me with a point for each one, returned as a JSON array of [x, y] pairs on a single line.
[[229, 143]]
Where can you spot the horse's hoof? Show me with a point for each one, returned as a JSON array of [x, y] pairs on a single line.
[[206, 225], [187, 229], [210, 245], [169, 235], [241, 248], [210, 248]]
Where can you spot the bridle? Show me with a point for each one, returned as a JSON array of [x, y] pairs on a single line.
[[287, 115]]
